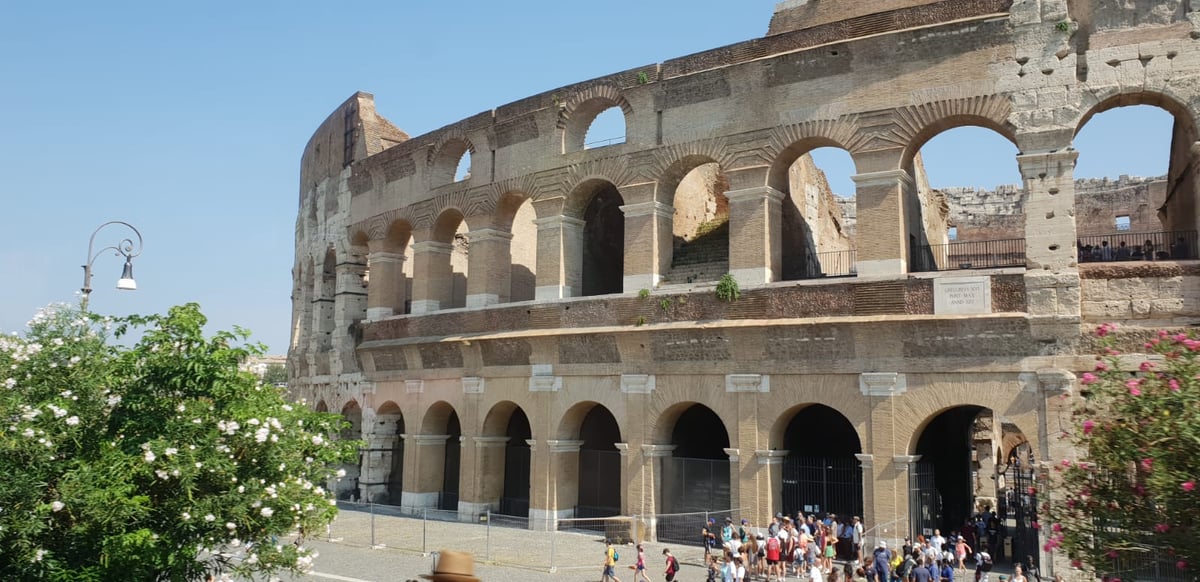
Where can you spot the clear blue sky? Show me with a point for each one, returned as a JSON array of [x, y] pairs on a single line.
[[188, 120]]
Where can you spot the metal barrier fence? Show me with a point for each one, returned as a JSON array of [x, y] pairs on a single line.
[[984, 254], [541, 544], [1138, 246], [831, 264], [1151, 564]]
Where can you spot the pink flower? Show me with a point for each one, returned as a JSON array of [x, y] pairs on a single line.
[[1173, 384], [1162, 333], [1182, 564], [1179, 337], [1133, 387], [1188, 485], [1076, 564], [1162, 528], [1191, 344], [1088, 426], [1056, 527], [1104, 329], [1146, 366], [1112, 554], [1089, 378], [1101, 366], [1147, 463]]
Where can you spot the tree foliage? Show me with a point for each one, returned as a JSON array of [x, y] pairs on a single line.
[[275, 374], [158, 462], [1130, 498]]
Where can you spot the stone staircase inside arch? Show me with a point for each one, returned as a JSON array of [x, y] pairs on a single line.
[[702, 260]]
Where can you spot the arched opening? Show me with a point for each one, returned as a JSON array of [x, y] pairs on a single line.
[[821, 474], [516, 212], [608, 128], [321, 406], [965, 178], [462, 170], [599, 465], [961, 484], [700, 224], [603, 239], [347, 487], [515, 498], [696, 476], [453, 269], [383, 479], [440, 429], [1135, 203], [818, 213], [397, 244]]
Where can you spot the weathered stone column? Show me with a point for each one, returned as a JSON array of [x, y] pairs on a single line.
[[888, 497], [743, 468], [489, 259], [755, 234], [487, 477], [564, 464], [423, 484], [385, 291], [770, 483], [652, 462], [559, 257], [647, 244], [432, 276], [883, 243], [378, 460], [869, 519], [1054, 414], [1052, 279], [903, 472]]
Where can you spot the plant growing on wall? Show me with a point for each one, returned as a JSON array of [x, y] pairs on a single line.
[[643, 77], [643, 293], [1131, 496], [727, 289], [162, 461]]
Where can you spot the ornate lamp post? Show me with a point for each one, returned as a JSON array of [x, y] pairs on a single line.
[[125, 248]]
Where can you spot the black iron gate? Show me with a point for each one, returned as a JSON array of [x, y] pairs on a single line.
[[448, 500], [924, 501], [1018, 511], [695, 485], [822, 485], [515, 500], [599, 483]]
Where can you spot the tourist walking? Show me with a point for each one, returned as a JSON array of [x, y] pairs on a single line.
[[610, 563]]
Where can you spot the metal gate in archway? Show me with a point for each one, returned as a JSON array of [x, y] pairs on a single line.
[[690, 485], [1018, 511], [822, 485], [924, 501]]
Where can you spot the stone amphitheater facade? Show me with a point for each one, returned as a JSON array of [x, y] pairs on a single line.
[[529, 318]]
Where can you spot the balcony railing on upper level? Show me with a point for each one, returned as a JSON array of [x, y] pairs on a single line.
[[984, 254], [1138, 246], [831, 264]]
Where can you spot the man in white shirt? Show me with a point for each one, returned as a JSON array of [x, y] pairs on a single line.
[[937, 541]]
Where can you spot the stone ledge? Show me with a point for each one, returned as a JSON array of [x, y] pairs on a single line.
[[1138, 269]]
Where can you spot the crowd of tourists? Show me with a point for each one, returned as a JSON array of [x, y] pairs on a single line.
[[828, 550]]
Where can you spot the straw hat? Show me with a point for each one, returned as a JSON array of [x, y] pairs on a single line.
[[453, 567]]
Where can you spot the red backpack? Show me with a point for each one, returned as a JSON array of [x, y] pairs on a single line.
[[773, 545]]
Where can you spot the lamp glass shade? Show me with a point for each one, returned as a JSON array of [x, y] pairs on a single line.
[[126, 282]]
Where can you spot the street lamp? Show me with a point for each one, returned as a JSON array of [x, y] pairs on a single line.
[[125, 248]]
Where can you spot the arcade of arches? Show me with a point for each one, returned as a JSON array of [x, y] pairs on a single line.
[[487, 335]]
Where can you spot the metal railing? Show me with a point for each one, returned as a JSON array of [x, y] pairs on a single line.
[[1138, 246], [604, 143], [984, 254], [831, 264]]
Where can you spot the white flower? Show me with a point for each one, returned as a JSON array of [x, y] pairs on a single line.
[[210, 517], [9, 383], [28, 432], [229, 525], [267, 512], [261, 434], [186, 516], [341, 473], [253, 421], [72, 421], [56, 506], [241, 489], [181, 408], [161, 474], [74, 359], [37, 556], [65, 393], [170, 451], [149, 456], [317, 440], [114, 400]]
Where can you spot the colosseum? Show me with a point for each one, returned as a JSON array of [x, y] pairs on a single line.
[[553, 333]]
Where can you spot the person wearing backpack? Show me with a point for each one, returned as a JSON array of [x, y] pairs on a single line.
[[773, 551], [610, 563], [904, 570], [672, 565], [983, 566]]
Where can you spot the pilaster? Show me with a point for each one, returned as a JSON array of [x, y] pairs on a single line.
[[770, 483], [559, 257], [1052, 284], [490, 266], [648, 244], [386, 283], [755, 234], [883, 242], [432, 280]]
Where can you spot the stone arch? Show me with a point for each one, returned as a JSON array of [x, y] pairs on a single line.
[[1180, 211], [917, 124], [696, 477], [347, 487], [581, 108], [601, 258], [451, 230], [321, 406], [788, 153], [515, 214], [440, 456], [436, 419], [821, 473], [443, 161], [383, 470], [594, 488], [695, 187], [506, 458]]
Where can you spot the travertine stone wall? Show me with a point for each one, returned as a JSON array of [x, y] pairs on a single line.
[[878, 79]]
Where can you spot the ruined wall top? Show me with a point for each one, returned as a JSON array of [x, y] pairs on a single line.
[[793, 15]]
